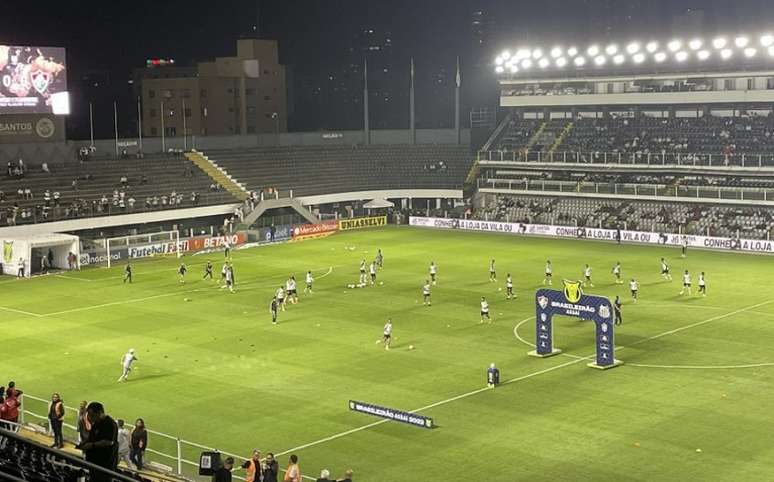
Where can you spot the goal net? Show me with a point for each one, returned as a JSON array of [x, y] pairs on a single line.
[[142, 246]]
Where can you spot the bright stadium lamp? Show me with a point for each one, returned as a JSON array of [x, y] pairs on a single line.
[[660, 57], [771, 51], [593, 51], [695, 44], [633, 48], [638, 58], [741, 41], [544, 62], [719, 43], [572, 51], [523, 53], [499, 60], [750, 52], [561, 62], [681, 56], [580, 61], [526, 63], [619, 59], [726, 54], [674, 45], [767, 40], [513, 69], [499, 69], [506, 54], [651, 47], [611, 49], [556, 52], [703, 54], [537, 53], [600, 60]]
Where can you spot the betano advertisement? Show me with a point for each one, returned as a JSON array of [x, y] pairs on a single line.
[[645, 237]]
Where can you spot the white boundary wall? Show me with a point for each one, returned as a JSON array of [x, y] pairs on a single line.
[[642, 237]]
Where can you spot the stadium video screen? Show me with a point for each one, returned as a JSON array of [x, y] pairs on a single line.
[[33, 80]]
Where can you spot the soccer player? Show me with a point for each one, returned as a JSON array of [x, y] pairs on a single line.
[[492, 376], [281, 297], [492, 271], [229, 275], [686, 283], [509, 287], [426, 293], [684, 247], [290, 287], [617, 317], [433, 272], [617, 273], [386, 335], [485, 310], [223, 272], [273, 310], [126, 364], [665, 270], [587, 275], [379, 258], [372, 272], [309, 281], [702, 284], [634, 287], [362, 273], [181, 273], [549, 273], [227, 248], [128, 273], [208, 270]]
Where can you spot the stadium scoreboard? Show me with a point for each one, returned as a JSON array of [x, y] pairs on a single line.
[[33, 80]]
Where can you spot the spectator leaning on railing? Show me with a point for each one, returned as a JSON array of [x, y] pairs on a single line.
[[270, 468], [293, 472], [83, 424], [56, 413], [139, 443]]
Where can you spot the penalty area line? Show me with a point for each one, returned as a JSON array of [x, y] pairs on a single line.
[[21, 312]]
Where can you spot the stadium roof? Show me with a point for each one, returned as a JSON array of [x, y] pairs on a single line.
[[722, 52]]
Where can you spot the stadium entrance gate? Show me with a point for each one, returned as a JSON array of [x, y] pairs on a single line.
[[572, 302]]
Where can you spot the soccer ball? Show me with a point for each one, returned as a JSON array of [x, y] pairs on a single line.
[[411, 347], [499, 289]]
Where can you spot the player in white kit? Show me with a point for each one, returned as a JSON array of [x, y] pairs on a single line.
[[126, 364]]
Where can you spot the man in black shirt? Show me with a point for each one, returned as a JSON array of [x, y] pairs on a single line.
[[101, 448], [270, 468], [223, 474]]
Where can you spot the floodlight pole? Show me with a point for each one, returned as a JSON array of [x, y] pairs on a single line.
[[366, 125], [91, 125], [412, 114], [457, 103], [163, 135], [139, 122], [115, 123]]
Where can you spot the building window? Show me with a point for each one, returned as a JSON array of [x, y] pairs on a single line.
[[188, 112], [231, 109], [229, 91], [153, 112], [251, 129], [266, 98], [750, 84], [266, 72], [170, 131], [151, 94], [153, 131], [729, 84], [251, 109]]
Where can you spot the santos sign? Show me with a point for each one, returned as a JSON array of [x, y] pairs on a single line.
[[572, 302]]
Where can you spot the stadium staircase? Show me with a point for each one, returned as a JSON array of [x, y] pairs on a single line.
[[494, 139], [218, 174], [562, 136], [536, 137], [279, 203]]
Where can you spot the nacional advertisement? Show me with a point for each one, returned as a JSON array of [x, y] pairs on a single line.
[[644, 237], [360, 223], [391, 414], [324, 228], [33, 80]]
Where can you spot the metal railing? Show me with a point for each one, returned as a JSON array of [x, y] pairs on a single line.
[[167, 448], [708, 193], [674, 159]]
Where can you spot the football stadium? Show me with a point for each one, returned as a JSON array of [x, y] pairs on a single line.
[[575, 285]]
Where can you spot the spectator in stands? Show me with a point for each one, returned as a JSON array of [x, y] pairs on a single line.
[[101, 448], [293, 472], [28, 193], [56, 198], [124, 442], [56, 413], [9, 410], [139, 443], [252, 466], [44, 167], [131, 202], [270, 468], [223, 474], [324, 476], [347, 476], [124, 181], [144, 179], [83, 424]]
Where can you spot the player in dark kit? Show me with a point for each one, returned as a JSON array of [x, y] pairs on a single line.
[[208, 270], [181, 272], [128, 273], [273, 310], [617, 311]]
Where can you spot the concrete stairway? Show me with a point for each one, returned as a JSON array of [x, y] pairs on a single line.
[[272, 203], [218, 174], [560, 139]]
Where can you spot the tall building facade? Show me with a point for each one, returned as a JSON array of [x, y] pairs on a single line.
[[244, 94]]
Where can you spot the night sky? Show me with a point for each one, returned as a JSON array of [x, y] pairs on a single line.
[[321, 40]]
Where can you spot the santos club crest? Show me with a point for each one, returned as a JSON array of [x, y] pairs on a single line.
[[572, 291]]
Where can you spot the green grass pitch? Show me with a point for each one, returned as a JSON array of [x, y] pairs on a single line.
[[699, 372]]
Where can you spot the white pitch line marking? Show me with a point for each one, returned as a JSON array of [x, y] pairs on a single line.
[[576, 359], [22, 312], [64, 276], [702, 367]]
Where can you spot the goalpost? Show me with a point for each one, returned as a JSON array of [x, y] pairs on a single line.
[[163, 243]]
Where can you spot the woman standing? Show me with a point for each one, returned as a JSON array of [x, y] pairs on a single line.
[[139, 443], [56, 414], [83, 423]]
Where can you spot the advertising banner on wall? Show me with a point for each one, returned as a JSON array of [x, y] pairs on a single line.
[[645, 237], [324, 228], [360, 223]]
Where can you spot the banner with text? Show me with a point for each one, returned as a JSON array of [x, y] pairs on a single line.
[[391, 414], [645, 237], [313, 230], [359, 223]]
